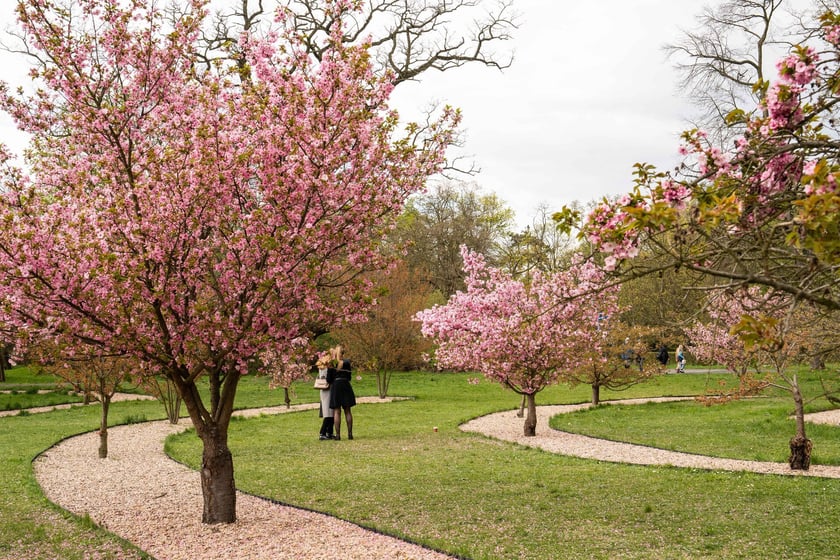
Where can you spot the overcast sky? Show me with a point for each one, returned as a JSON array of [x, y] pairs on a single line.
[[589, 94]]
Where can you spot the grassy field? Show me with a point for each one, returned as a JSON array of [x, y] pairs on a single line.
[[469, 495], [484, 499]]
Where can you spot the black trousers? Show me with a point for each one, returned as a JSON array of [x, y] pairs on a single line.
[[327, 426]]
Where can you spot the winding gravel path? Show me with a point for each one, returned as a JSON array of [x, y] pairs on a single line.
[[143, 496], [508, 427]]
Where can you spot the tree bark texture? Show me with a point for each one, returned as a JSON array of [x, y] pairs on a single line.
[[217, 483], [531, 419], [596, 394], [800, 445], [103, 427]]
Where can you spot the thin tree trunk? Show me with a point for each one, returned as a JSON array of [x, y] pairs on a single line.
[[103, 426], [2, 363], [382, 384], [286, 397], [521, 413], [531, 419], [596, 394], [800, 445]]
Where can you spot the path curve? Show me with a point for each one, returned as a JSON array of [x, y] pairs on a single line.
[[144, 497], [154, 502], [508, 427]]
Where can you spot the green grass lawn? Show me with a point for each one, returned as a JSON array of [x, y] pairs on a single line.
[[18, 400], [463, 493], [480, 498]]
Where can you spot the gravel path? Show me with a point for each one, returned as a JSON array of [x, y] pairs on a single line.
[[507, 426], [143, 496]]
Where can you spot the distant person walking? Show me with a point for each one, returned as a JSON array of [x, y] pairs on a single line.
[[662, 355], [680, 359], [342, 397]]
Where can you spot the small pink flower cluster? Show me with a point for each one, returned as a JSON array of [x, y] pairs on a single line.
[[799, 67], [783, 107], [832, 34], [675, 194], [780, 173], [606, 230], [816, 181]]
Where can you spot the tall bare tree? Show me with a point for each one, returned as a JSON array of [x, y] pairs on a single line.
[[407, 37], [727, 56]]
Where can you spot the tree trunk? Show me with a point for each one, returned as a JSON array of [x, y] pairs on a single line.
[[286, 397], [2, 363], [217, 482], [103, 426], [596, 394], [531, 420], [818, 362], [173, 410], [800, 445], [382, 383]]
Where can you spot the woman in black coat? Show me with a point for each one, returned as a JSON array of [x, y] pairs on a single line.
[[342, 397]]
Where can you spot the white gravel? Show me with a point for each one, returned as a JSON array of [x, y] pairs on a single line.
[[143, 496], [506, 426]]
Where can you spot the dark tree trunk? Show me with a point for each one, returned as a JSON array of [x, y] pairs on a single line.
[[286, 397], [2, 363], [217, 484], [103, 426], [800, 445], [531, 419], [596, 394]]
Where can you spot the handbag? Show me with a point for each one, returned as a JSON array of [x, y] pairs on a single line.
[[321, 383]]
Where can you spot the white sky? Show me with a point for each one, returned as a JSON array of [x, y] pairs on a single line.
[[590, 93]]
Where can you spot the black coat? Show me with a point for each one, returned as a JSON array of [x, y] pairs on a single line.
[[341, 391]]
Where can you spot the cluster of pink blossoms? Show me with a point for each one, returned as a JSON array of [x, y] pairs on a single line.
[[606, 229], [814, 183], [675, 194], [832, 34], [799, 67]]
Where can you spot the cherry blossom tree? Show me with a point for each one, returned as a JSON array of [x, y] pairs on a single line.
[[192, 217], [763, 331], [712, 340], [287, 367], [523, 335], [765, 213], [616, 358], [93, 374]]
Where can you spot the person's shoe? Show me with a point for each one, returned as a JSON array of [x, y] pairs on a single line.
[[337, 438], [350, 435], [322, 437]]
